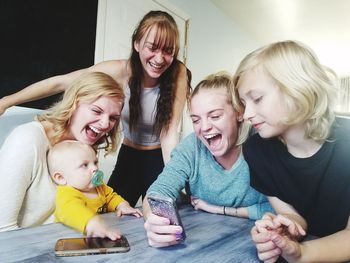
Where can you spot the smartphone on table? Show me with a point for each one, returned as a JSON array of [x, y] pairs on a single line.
[[90, 246], [166, 207]]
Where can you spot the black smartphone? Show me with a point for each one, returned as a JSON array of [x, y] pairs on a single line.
[[166, 207], [89, 246]]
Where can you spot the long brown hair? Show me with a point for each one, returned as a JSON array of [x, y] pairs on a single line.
[[167, 35]]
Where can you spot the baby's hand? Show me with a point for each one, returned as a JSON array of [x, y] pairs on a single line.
[[125, 209], [97, 228]]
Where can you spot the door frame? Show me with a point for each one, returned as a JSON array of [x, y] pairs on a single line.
[[101, 26]]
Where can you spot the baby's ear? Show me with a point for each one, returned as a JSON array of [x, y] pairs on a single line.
[[59, 178]]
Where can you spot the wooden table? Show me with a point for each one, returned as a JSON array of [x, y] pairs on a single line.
[[210, 238]]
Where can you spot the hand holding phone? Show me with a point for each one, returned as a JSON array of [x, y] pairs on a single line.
[[90, 246], [166, 207]]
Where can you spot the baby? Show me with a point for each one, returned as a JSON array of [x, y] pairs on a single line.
[[81, 193]]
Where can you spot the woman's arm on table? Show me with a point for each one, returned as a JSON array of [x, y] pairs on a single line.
[[198, 203]]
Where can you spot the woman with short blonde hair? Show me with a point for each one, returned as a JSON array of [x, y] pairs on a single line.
[[299, 156]]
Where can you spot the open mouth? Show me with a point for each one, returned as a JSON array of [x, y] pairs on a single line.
[[92, 132], [213, 140], [156, 66]]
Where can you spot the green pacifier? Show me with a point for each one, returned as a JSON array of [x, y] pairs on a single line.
[[97, 178]]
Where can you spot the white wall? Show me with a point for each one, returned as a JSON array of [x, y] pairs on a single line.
[[215, 42]]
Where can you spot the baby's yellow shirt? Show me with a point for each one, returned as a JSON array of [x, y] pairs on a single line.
[[74, 209]]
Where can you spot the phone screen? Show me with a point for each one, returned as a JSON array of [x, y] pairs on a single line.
[[165, 207], [90, 245]]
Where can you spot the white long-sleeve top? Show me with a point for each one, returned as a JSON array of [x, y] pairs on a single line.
[[27, 193]]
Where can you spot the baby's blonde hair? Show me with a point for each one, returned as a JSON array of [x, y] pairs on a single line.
[[57, 155]]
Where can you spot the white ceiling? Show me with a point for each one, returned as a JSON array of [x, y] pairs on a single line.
[[324, 25]]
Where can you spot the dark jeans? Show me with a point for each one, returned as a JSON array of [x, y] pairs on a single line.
[[135, 171]]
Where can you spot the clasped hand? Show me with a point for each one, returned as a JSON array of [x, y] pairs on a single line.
[[277, 235]]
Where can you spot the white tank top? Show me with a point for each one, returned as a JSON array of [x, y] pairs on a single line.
[[143, 132]]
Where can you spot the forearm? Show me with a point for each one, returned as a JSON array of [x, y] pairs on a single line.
[[15, 178], [169, 139], [233, 211], [174, 175], [9, 212], [41, 89], [71, 210], [10, 205], [35, 91], [145, 208], [97, 227], [333, 248], [224, 210], [11, 196], [77, 220]]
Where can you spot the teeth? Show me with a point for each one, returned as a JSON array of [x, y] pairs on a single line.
[[209, 136], [94, 129], [155, 65]]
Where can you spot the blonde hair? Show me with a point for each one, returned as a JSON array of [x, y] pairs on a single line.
[[218, 81], [58, 153], [308, 87], [85, 89]]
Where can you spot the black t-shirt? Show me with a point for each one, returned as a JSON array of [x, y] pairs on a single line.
[[318, 187]]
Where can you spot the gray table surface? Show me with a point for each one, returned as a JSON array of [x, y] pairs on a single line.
[[210, 238]]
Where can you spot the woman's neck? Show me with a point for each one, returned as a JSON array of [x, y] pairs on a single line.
[[230, 158], [298, 144], [148, 82], [50, 133]]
